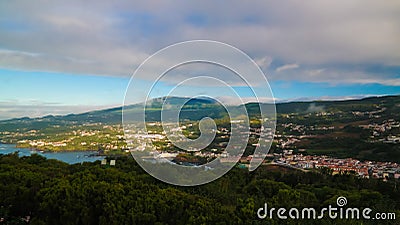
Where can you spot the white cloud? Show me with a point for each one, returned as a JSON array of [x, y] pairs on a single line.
[[114, 37], [315, 72], [231, 100], [336, 76], [287, 67], [15, 109], [325, 98], [264, 62]]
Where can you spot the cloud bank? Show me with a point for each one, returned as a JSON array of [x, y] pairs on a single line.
[[333, 42]]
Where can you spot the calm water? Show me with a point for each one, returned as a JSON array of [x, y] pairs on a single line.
[[68, 157]]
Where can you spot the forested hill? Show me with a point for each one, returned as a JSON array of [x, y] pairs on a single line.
[[392, 103], [51, 192]]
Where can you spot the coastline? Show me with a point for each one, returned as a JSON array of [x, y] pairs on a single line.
[[94, 153], [70, 157]]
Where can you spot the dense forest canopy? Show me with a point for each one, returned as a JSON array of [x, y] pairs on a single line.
[[47, 191]]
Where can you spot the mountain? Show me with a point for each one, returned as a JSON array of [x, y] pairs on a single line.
[[193, 109], [197, 108]]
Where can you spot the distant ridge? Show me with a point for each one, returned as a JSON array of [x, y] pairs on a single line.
[[197, 108]]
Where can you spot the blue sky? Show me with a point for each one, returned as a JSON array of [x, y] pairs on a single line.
[[70, 57]]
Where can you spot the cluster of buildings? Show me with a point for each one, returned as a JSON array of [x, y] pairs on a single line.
[[370, 114], [365, 169], [100, 138], [41, 143], [382, 132], [292, 133]]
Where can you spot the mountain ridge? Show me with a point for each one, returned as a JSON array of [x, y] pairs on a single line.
[[202, 103]]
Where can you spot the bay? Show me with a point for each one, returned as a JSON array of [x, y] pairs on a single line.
[[71, 157]]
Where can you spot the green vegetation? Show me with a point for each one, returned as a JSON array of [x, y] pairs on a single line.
[[68, 138], [52, 192], [351, 147], [367, 129]]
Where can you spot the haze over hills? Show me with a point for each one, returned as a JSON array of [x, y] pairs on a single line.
[[195, 109]]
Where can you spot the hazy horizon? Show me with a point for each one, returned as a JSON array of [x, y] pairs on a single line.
[[282, 101]]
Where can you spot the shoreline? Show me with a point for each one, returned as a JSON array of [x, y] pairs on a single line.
[[36, 150]]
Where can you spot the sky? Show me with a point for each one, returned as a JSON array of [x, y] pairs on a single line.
[[60, 57]]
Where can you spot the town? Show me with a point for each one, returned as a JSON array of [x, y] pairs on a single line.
[[360, 142], [363, 169]]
